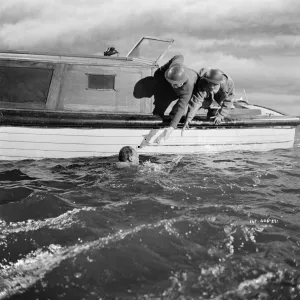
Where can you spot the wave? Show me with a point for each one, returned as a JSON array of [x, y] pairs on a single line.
[[227, 281], [61, 222], [19, 276]]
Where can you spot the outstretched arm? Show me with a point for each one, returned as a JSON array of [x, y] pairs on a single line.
[[181, 105], [179, 112], [226, 102], [195, 104]]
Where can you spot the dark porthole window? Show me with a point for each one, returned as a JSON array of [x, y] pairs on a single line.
[[24, 85], [101, 82]]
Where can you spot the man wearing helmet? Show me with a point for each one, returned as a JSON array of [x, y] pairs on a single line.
[[173, 81], [214, 88]]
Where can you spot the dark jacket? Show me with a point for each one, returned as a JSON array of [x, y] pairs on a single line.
[[203, 97], [184, 93]]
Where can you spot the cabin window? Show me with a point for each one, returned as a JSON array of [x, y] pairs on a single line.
[[101, 82], [24, 85]]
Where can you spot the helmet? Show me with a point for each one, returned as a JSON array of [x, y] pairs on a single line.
[[176, 74], [214, 76]]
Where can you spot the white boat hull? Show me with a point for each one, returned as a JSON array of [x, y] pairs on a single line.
[[18, 143]]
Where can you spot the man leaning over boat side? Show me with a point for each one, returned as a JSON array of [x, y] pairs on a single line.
[[173, 81], [214, 91]]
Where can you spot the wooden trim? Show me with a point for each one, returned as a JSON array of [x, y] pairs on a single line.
[[63, 54], [26, 64], [150, 101], [90, 108], [144, 102], [25, 105], [110, 120], [62, 89], [81, 60], [55, 86], [101, 90]]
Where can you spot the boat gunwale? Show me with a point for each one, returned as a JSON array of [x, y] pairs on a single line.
[[42, 118]]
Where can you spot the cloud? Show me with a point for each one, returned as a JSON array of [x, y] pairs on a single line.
[[258, 44], [285, 45], [65, 24]]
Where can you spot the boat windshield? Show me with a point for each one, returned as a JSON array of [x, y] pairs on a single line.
[[150, 50]]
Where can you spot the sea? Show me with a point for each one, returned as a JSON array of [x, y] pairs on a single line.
[[206, 226]]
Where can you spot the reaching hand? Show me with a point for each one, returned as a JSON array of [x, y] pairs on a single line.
[[185, 126], [168, 132], [164, 135], [219, 118]]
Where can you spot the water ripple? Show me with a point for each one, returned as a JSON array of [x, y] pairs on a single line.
[[201, 226]]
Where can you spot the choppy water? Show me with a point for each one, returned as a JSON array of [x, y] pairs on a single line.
[[221, 226]]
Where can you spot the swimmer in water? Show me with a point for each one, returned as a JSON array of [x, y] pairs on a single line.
[[128, 157]]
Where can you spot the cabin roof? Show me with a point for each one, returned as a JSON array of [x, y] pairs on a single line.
[[73, 58]]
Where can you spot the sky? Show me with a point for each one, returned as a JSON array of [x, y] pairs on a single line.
[[257, 42]]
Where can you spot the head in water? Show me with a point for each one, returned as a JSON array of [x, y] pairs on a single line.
[[129, 155]]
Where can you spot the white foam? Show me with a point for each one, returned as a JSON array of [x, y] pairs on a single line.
[[61, 222], [19, 276]]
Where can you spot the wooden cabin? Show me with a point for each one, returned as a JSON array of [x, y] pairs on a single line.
[[74, 83]]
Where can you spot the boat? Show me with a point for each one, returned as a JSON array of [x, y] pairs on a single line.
[[55, 105]]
